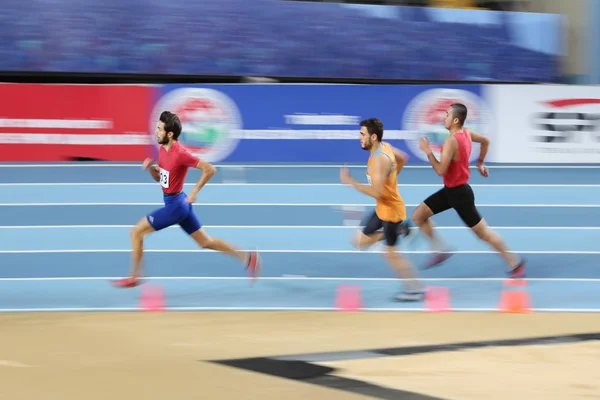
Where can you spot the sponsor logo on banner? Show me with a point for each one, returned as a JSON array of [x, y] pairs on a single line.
[[211, 121], [424, 116], [567, 125], [319, 119], [547, 124]]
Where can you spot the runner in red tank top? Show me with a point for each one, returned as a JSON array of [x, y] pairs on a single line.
[[458, 172], [453, 166]]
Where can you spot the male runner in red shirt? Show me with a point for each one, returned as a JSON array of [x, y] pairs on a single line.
[[457, 193], [173, 164]]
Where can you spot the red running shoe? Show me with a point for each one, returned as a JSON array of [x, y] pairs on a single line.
[[518, 272], [253, 265], [129, 282]]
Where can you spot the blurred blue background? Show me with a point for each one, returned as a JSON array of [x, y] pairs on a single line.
[[285, 38]]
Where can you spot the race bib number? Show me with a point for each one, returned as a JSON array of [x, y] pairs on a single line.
[[369, 180], [164, 178]]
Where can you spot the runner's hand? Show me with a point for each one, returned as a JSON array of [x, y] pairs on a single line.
[[191, 198], [483, 170], [424, 145], [345, 177], [147, 163]]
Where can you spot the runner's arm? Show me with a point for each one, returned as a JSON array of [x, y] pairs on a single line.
[[448, 150], [484, 145], [401, 159], [208, 170], [381, 170], [154, 172], [152, 168]]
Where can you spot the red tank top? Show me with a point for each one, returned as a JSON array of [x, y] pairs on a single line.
[[458, 172]]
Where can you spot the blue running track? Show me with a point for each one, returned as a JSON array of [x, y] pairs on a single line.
[[65, 233]]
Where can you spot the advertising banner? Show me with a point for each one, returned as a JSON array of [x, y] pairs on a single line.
[[68, 122], [545, 124], [298, 123], [312, 123]]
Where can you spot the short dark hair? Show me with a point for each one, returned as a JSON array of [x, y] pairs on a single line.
[[459, 111], [374, 127], [172, 123]]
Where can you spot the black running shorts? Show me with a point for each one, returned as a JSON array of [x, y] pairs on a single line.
[[391, 230], [460, 198]]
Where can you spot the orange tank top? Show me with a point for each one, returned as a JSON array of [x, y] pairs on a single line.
[[390, 207]]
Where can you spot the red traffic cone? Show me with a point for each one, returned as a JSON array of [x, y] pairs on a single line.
[[515, 299], [437, 299], [348, 298], [152, 298]]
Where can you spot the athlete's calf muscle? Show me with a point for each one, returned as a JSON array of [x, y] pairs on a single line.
[[362, 241]]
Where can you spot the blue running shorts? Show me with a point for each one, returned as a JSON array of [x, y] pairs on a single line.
[[175, 211]]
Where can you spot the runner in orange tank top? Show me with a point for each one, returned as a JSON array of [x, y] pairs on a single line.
[[390, 205], [453, 166], [388, 221]]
